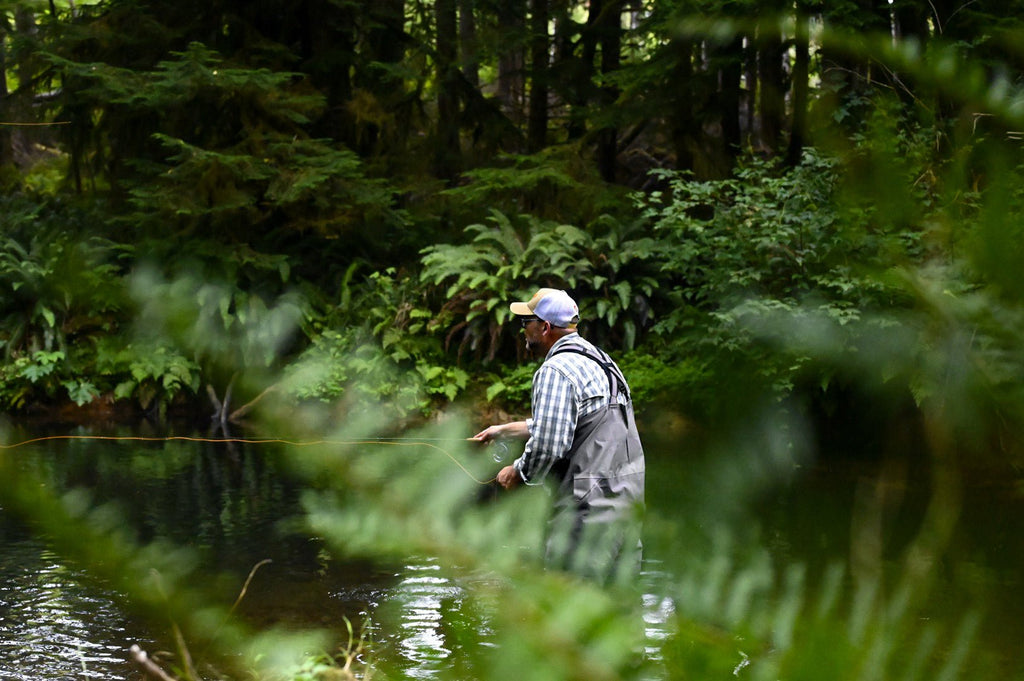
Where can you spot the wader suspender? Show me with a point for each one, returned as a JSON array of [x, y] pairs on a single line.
[[615, 377]]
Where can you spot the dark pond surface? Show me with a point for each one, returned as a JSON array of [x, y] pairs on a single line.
[[231, 502]]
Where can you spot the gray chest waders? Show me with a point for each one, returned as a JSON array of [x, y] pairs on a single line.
[[595, 529]]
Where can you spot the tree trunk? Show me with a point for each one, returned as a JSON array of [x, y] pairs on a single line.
[[6, 155], [771, 87], [511, 20], [911, 20], [447, 153], [609, 28], [331, 41], [801, 66], [749, 124], [730, 74], [843, 72], [579, 69], [468, 42], [683, 124], [537, 126], [384, 47], [17, 143]]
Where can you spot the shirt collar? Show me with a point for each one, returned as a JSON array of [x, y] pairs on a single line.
[[562, 341]]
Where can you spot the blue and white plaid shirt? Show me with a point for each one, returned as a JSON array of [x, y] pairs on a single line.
[[566, 388]]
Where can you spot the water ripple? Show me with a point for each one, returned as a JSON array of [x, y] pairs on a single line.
[[55, 626]]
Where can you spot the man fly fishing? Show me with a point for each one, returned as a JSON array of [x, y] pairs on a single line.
[[581, 435]]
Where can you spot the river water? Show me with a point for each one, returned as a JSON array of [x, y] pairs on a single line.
[[231, 503]]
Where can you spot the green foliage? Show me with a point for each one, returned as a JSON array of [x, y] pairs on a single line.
[[554, 184], [766, 244], [805, 634], [763, 233], [149, 375], [326, 667], [665, 383], [40, 376], [46, 176], [886, 263], [61, 282], [64, 287], [197, 76], [307, 184], [224, 328], [376, 349], [605, 267], [513, 388], [717, 257], [653, 382], [226, 149]]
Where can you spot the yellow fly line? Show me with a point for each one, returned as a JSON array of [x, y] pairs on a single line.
[[30, 125], [396, 442]]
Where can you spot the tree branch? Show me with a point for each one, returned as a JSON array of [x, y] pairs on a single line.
[[149, 667], [248, 406]]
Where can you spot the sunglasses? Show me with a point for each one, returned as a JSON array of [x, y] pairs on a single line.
[[526, 320]]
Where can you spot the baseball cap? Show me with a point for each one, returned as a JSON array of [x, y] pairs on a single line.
[[552, 305]]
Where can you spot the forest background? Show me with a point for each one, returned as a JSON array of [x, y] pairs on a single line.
[[324, 198], [798, 206]]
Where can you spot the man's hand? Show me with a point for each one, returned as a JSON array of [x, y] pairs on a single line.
[[508, 477], [487, 434], [516, 429]]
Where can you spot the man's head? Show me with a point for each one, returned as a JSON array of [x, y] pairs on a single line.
[[546, 317]]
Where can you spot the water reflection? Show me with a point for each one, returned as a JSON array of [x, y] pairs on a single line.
[[658, 610], [55, 624], [415, 610], [429, 627]]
